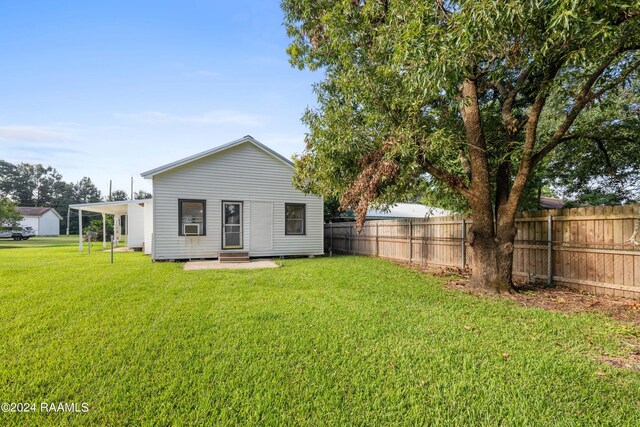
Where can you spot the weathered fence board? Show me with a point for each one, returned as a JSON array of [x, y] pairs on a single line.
[[584, 248]]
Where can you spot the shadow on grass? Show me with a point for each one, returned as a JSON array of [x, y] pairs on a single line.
[[39, 242]]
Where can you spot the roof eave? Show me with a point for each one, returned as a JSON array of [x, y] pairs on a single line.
[[56, 213]]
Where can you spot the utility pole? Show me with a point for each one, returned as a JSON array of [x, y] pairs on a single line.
[[110, 182]]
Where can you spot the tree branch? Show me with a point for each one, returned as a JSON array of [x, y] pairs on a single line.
[[510, 95], [475, 140], [510, 207], [452, 181], [605, 153], [615, 82], [595, 137], [584, 97]]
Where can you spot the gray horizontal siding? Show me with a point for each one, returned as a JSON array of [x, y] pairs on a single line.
[[244, 173]]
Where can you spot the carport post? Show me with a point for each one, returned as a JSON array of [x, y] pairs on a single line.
[[80, 230], [104, 231]]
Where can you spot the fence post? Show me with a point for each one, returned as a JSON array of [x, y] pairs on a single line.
[[349, 249], [376, 250], [549, 250], [424, 229], [331, 241], [464, 240], [410, 240]]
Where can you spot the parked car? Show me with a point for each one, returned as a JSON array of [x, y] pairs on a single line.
[[22, 233]]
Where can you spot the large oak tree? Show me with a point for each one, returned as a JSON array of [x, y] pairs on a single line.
[[453, 91]]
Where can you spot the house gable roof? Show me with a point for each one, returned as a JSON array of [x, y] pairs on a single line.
[[246, 139], [32, 211]]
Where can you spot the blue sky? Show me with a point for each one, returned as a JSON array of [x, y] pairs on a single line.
[[111, 89]]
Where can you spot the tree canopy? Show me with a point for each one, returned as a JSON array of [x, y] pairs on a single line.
[[391, 95], [118, 196], [471, 96], [9, 217], [37, 185], [141, 195]]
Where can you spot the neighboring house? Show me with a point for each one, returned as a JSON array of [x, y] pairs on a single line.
[[551, 203], [44, 221], [398, 211], [238, 197]]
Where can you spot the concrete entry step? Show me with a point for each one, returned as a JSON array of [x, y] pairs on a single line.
[[233, 257]]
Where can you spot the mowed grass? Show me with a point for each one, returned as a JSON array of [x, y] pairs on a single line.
[[325, 341]]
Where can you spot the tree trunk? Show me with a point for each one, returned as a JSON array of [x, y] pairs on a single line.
[[493, 232], [492, 251]]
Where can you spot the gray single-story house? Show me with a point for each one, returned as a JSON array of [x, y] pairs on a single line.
[[235, 199]]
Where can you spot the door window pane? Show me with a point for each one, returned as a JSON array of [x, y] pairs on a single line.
[[232, 213], [232, 239]]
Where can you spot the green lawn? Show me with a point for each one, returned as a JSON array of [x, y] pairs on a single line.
[[325, 341]]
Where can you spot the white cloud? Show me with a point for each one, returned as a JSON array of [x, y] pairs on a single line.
[[32, 134], [213, 117]]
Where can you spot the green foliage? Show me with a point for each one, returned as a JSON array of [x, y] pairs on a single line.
[[388, 125], [87, 192], [96, 226], [9, 217], [325, 341], [142, 195], [37, 185], [331, 209], [600, 163], [31, 185], [118, 196]]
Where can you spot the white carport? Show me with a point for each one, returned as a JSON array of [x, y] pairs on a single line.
[[134, 212]]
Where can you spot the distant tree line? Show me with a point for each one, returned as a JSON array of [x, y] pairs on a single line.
[[35, 185]]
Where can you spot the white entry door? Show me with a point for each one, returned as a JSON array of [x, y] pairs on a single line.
[[231, 225]]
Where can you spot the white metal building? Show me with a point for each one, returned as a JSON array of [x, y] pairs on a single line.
[[236, 198], [406, 210], [44, 221]]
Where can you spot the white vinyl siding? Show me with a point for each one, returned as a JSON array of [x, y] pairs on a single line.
[[46, 225], [261, 227], [148, 227], [33, 222], [244, 173]]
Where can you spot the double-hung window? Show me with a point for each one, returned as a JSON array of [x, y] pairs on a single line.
[[295, 219]]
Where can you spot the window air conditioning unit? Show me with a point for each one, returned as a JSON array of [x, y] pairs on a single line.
[[191, 229]]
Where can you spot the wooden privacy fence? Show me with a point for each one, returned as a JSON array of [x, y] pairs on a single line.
[[583, 248]]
